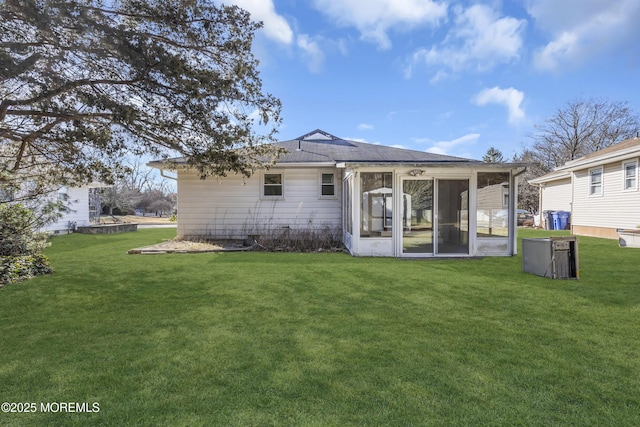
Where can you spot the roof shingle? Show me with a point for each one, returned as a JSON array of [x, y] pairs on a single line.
[[320, 146]]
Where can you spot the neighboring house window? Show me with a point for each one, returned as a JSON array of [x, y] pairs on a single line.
[[6, 194], [62, 194], [272, 185], [327, 186], [595, 182], [631, 175]]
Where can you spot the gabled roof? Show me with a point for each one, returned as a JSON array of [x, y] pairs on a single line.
[[620, 147], [319, 146], [627, 149], [551, 176]]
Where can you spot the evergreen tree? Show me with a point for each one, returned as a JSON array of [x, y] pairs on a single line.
[[493, 155], [86, 83]]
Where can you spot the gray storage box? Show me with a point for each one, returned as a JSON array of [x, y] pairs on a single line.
[[552, 257]]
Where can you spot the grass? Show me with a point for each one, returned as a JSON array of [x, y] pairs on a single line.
[[320, 339]]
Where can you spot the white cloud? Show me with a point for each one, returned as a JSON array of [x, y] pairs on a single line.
[[510, 97], [365, 126], [479, 38], [582, 29], [374, 18], [275, 26], [312, 50], [446, 147]]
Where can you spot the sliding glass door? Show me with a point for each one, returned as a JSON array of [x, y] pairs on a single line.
[[435, 216], [417, 219], [453, 216]]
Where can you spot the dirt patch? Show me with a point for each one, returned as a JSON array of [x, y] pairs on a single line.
[[186, 246], [150, 220]]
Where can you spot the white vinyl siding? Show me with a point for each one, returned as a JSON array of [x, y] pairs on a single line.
[[616, 209], [556, 196], [77, 199], [233, 207]]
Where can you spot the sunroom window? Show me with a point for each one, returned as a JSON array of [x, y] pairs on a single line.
[[377, 204], [493, 204]]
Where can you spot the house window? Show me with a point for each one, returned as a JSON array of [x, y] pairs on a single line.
[[631, 175], [595, 182], [272, 185], [376, 219], [327, 186]]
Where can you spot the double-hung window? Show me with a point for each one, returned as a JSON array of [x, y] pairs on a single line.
[[272, 185], [327, 186], [595, 181], [630, 176]]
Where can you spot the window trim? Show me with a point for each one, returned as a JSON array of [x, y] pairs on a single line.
[[321, 185], [591, 185], [263, 186], [624, 175]]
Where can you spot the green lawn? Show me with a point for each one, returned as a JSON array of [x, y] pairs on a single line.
[[320, 339]]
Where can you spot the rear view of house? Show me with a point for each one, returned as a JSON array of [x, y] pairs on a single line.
[[383, 201], [599, 190]]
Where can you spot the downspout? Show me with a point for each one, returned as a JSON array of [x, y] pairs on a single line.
[[167, 176], [573, 183], [540, 204], [513, 225]]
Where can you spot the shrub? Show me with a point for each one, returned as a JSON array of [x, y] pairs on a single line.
[[21, 245], [300, 240], [17, 268]]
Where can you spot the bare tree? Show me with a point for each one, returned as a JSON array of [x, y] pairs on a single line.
[[581, 127], [120, 196], [527, 193], [160, 207], [139, 175], [157, 200]]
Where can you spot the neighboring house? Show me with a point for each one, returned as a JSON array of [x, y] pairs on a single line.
[[384, 201], [83, 205], [600, 190]]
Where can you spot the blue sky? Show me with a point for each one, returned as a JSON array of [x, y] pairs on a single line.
[[451, 77]]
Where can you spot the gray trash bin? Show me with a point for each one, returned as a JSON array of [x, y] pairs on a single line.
[[552, 257]]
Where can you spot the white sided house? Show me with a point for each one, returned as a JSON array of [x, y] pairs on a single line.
[[600, 190], [384, 201], [83, 206]]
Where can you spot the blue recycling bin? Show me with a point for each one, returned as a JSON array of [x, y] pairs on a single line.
[[555, 221], [563, 220]]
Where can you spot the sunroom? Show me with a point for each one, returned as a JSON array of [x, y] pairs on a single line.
[[427, 210]]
